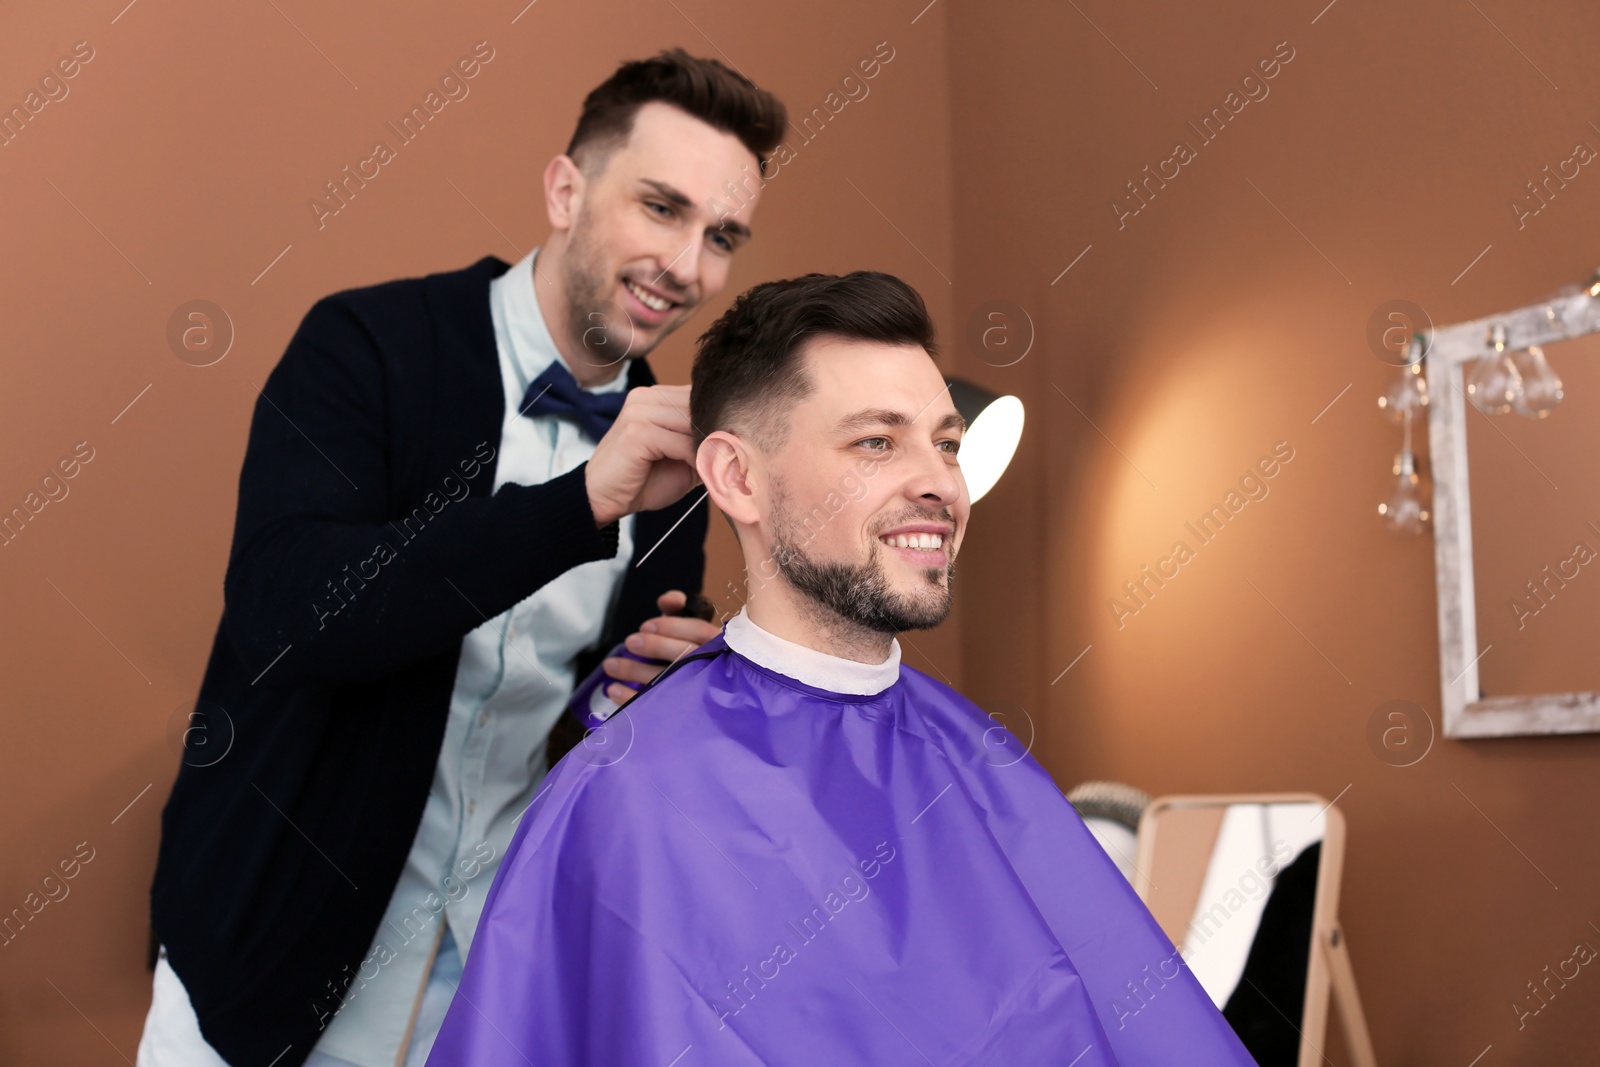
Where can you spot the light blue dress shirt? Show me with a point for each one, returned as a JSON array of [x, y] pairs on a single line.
[[514, 678]]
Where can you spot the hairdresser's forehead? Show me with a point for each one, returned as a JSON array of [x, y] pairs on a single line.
[[848, 376], [671, 146]]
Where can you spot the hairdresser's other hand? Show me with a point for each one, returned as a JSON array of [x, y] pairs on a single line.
[[668, 637], [646, 460]]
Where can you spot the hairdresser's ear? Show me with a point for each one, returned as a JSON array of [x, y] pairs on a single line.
[[724, 464], [563, 189]]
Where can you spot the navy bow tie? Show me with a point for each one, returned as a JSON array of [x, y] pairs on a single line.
[[556, 392]]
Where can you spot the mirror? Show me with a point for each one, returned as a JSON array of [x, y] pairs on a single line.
[[1519, 524], [1247, 888], [1535, 491]]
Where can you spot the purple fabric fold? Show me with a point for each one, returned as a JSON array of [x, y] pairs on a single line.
[[741, 869]]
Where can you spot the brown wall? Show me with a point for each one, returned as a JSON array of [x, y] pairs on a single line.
[[1176, 352], [1201, 333]]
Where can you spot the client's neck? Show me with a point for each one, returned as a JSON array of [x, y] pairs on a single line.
[[781, 610]]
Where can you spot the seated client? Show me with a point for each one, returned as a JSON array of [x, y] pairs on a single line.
[[791, 848]]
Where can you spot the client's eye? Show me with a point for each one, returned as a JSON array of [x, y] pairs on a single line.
[[955, 446], [869, 440]]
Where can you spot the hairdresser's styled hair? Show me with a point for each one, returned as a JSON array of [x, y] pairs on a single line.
[[750, 367], [723, 99]]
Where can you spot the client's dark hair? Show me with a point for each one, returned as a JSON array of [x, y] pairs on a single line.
[[749, 364], [723, 99]]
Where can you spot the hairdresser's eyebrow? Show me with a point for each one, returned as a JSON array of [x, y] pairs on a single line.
[[676, 196], [671, 193], [735, 227], [873, 417]]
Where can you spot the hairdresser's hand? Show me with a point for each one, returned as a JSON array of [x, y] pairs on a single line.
[[668, 637], [646, 460]]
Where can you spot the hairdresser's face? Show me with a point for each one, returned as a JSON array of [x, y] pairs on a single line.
[[869, 461], [653, 233]]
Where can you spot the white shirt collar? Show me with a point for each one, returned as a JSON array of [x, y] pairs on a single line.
[[532, 347], [818, 669]]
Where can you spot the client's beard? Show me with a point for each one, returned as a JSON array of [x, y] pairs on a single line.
[[858, 593]]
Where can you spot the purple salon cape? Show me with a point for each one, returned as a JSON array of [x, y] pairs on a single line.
[[742, 869]]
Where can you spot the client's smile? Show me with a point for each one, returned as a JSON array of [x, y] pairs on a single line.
[[921, 544]]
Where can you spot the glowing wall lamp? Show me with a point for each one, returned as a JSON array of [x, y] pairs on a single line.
[[994, 426]]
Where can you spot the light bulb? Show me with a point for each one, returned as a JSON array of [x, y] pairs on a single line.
[[1541, 389], [1406, 396], [1495, 384], [1576, 307], [1403, 511], [1416, 351]]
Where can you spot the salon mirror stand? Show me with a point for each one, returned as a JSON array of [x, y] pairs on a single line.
[[1247, 887]]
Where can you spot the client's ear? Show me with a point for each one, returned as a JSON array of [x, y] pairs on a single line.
[[724, 464]]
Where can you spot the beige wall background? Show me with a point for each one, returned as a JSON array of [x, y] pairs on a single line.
[[1176, 350]]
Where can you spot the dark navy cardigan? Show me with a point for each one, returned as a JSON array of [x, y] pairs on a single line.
[[366, 545]]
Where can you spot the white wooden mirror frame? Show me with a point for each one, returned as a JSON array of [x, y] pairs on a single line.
[[1450, 350]]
